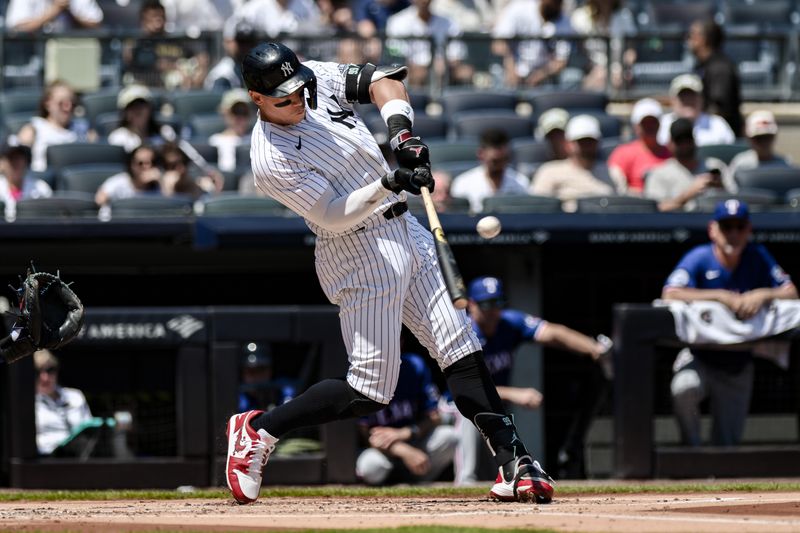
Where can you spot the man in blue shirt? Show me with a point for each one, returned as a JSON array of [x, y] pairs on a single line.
[[501, 331], [406, 439], [744, 277]]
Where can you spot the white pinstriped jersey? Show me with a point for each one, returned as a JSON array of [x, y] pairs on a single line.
[[381, 273], [293, 164]]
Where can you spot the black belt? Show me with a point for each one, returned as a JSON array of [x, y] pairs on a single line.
[[395, 210]]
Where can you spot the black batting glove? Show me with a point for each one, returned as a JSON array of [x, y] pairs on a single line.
[[410, 152], [411, 181]]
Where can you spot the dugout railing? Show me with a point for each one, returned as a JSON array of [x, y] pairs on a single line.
[[641, 331], [175, 372]]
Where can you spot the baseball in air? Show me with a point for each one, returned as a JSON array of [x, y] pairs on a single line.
[[488, 227]]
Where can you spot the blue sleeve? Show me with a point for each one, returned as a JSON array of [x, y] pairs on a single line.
[[524, 324], [684, 274], [428, 393], [775, 276], [360, 10]]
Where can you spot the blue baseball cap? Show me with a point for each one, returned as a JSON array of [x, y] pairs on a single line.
[[486, 288], [731, 209]]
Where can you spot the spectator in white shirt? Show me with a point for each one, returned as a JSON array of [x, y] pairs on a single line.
[[237, 110], [761, 130], [52, 15], [54, 125], [532, 62], [59, 410], [494, 175], [137, 120], [417, 20], [686, 94], [274, 17]]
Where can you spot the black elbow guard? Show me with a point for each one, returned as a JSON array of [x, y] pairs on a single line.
[[358, 78]]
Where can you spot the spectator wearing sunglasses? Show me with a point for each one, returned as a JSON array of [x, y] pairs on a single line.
[[59, 410], [501, 331], [744, 277], [177, 180], [143, 176]]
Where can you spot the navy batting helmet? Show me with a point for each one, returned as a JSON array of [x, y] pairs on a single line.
[[272, 69]]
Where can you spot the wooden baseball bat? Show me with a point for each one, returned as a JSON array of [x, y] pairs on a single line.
[[447, 261]]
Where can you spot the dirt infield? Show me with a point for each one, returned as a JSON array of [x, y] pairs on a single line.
[[742, 512]]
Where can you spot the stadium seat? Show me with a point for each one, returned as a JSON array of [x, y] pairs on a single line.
[[208, 152], [778, 180], [454, 205], [62, 155], [528, 154], [521, 203], [793, 198], [237, 205], [20, 101], [616, 204], [74, 205], [572, 101], [197, 102], [607, 145], [243, 159], [767, 14], [205, 125], [99, 103], [455, 168], [468, 125], [86, 177], [151, 205], [679, 15], [723, 152], [757, 199], [610, 126], [448, 152], [426, 126], [456, 101], [15, 121]]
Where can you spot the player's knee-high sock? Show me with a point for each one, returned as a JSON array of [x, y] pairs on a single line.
[[476, 397], [328, 400]]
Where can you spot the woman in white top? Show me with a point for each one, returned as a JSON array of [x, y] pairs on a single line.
[[143, 176], [237, 110], [54, 125], [137, 121], [15, 183], [59, 410]]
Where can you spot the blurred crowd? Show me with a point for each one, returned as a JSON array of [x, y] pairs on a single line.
[[183, 118]]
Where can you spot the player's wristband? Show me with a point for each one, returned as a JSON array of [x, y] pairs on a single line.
[[402, 136], [398, 116]]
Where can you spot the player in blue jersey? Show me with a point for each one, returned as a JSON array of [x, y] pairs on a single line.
[[406, 439], [744, 277], [501, 331]]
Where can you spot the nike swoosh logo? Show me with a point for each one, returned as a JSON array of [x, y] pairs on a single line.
[[712, 274], [299, 143]]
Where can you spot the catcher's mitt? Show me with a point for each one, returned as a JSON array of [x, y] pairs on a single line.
[[49, 316]]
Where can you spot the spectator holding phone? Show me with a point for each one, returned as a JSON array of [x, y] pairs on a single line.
[[677, 182]]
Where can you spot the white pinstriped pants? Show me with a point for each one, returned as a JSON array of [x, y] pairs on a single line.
[[380, 277]]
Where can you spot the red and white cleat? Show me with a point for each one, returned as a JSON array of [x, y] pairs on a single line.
[[530, 483], [248, 452]]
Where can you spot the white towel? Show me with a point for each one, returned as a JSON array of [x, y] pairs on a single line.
[[707, 322]]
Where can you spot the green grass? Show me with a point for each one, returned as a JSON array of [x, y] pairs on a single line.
[[562, 489]]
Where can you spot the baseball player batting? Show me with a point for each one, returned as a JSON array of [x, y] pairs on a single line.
[[311, 151]]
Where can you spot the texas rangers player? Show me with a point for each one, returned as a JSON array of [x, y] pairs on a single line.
[[501, 331], [311, 151]]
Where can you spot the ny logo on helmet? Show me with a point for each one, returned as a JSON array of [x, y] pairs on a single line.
[[286, 68]]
